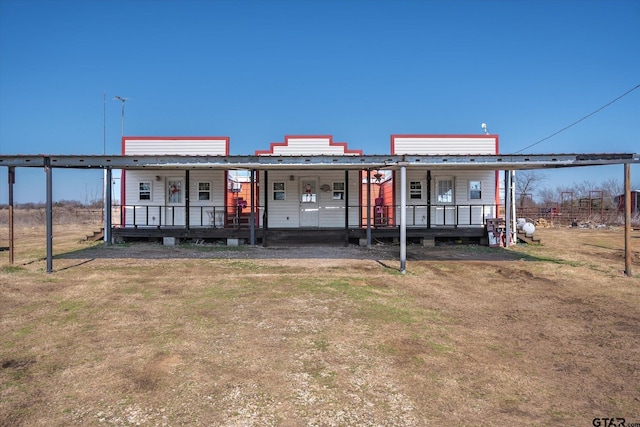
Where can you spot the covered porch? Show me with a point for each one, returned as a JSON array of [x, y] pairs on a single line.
[[398, 163]]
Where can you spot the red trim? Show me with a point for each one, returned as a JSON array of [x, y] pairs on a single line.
[[442, 136], [273, 145], [177, 138]]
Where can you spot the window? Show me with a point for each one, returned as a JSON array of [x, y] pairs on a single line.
[[204, 191], [338, 191], [278, 191], [308, 191], [174, 191], [444, 190], [415, 190], [475, 190], [144, 190]]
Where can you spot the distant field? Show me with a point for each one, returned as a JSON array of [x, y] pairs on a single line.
[[141, 334]]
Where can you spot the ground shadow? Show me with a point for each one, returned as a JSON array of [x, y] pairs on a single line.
[[377, 252]]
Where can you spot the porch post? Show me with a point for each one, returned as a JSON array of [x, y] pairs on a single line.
[[186, 199], [252, 215], [11, 180], [428, 199], [507, 206], [627, 220], [346, 207], [107, 207], [514, 231], [403, 218], [265, 214], [49, 214], [369, 208]]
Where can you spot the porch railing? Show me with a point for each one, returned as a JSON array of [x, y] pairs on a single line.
[[462, 215], [431, 215], [176, 216]]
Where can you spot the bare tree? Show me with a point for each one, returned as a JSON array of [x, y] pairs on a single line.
[[548, 196], [527, 183], [610, 189]]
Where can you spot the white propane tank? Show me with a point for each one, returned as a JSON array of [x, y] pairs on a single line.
[[529, 228], [520, 222]]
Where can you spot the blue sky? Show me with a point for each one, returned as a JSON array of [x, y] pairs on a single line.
[[358, 70]]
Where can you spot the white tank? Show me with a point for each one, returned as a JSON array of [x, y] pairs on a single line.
[[529, 228]]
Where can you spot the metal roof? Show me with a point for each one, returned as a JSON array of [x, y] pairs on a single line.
[[262, 162]]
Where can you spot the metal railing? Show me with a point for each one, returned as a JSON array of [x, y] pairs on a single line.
[[176, 216], [462, 215], [431, 215]]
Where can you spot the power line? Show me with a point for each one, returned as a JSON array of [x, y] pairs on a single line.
[[578, 121]]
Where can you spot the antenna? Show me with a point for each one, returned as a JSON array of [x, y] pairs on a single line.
[[123, 100], [484, 128]]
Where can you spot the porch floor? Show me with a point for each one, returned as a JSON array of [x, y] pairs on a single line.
[[298, 236]]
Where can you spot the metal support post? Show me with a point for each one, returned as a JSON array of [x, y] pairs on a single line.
[[368, 208], [49, 214], [627, 220], [11, 181], [346, 207], [403, 219], [107, 207], [252, 213], [508, 202]]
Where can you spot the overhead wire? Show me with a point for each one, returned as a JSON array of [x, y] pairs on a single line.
[[578, 121]]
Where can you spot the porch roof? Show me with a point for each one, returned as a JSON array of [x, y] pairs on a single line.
[[270, 162]]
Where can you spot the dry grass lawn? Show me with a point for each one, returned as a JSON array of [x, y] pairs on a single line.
[[146, 335]]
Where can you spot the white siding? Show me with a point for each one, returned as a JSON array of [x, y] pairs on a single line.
[[442, 145], [198, 209], [309, 146], [417, 208], [183, 147], [151, 212], [286, 213]]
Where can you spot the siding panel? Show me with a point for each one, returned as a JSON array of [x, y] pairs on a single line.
[[444, 145], [186, 146]]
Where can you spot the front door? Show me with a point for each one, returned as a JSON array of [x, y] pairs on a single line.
[[445, 209], [175, 209], [309, 202]]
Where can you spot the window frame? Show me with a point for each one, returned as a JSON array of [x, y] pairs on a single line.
[[338, 193], [280, 193], [415, 193], [148, 192], [202, 192], [473, 191]]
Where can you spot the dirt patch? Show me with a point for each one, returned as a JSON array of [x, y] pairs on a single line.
[[144, 334]]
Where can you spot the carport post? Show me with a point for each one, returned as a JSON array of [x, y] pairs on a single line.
[[403, 218], [107, 207], [346, 207], [49, 214], [627, 220], [11, 180], [508, 201], [252, 213], [369, 208]]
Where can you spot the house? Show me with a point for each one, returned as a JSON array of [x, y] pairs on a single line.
[[310, 198], [316, 199], [176, 198], [448, 197]]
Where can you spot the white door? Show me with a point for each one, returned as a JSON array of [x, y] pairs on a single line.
[[309, 202], [175, 209], [445, 209]]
